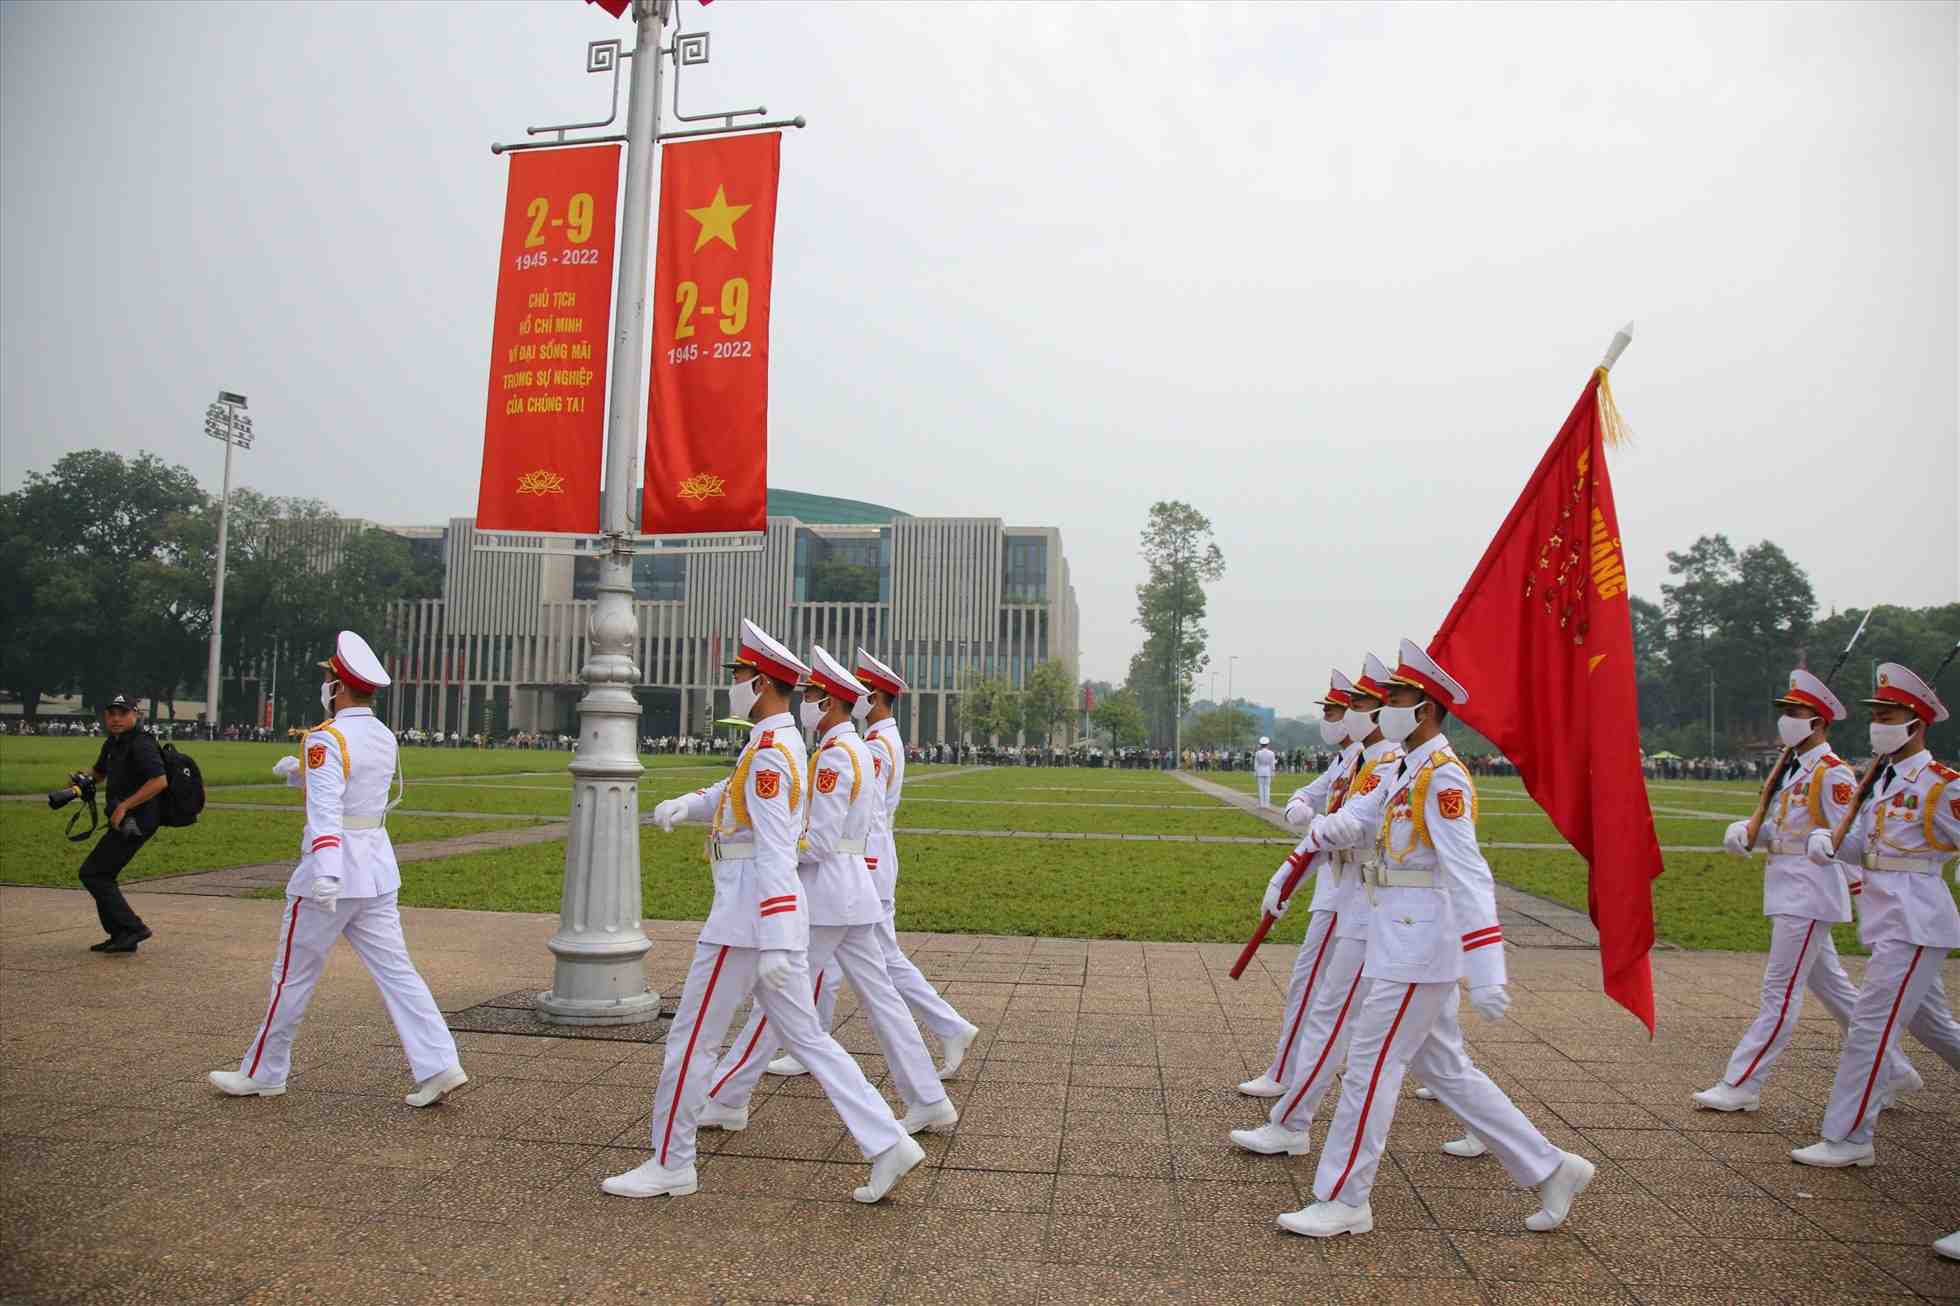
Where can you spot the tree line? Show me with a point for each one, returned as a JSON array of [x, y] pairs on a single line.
[[106, 572]]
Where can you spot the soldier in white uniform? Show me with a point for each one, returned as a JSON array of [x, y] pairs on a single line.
[[1310, 963], [345, 884], [1434, 921], [756, 941], [1264, 763], [1802, 900], [846, 794], [956, 1033], [1904, 836], [1314, 1060]]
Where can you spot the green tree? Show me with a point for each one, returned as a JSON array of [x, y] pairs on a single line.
[[1049, 699], [1919, 637], [1118, 715], [1219, 728], [1180, 557], [992, 709]]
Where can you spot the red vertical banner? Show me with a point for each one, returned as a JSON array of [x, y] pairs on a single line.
[[544, 424], [707, 463]]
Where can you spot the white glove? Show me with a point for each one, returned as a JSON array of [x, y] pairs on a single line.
[[772, 968], [668, 813], [1736, 840], [326, 891], [285, 766], [1820, 849], [1299, 813], [1490, 1001], [1271, 904]]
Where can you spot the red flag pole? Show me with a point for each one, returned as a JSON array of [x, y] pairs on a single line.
[[1267, 921]]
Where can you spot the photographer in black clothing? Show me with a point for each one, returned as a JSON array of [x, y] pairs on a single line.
[[132, 768]]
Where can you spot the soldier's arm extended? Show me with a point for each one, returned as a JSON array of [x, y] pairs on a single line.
[[1358, 821], [700, 805], [773, 788], [1466, 875], [326, 786]]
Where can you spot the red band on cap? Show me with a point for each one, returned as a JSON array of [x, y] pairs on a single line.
[[1338, 698], [348, 678], [1893, 694], [1370, 688], [831, 687], [884, 684], [1809, 700], [769, 665], [1427, 685]]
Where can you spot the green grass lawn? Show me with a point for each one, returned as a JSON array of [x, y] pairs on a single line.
[[34, 849]]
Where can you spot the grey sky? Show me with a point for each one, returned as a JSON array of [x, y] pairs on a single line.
[[1333, 275]]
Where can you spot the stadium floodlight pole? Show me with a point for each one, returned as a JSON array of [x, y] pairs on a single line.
[[224, 420], [599, 974]]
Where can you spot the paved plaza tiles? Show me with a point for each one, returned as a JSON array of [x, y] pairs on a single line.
[[1090, 1162]]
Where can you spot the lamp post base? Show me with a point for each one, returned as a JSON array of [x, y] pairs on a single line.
[[554, 1010]]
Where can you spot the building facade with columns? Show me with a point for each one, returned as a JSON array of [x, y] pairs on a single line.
[[944, 600]]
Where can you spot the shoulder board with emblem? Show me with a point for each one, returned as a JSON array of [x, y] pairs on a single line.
[[1943, 771], [1830, 760], [768, 737]]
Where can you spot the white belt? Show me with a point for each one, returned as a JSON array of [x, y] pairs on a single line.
[[1401, 877], [853, 846], [1790, 847], [731, 852], [363, 822], [1916, 865]]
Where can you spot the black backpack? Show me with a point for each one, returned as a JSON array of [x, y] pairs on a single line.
[[184, 798]]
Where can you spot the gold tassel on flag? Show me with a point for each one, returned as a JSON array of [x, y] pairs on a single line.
[[1613, 430]]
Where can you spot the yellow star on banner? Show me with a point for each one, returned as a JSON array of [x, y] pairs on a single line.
[[718, 219]]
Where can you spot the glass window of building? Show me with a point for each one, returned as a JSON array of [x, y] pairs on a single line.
[[1024, 577], [843, 568]]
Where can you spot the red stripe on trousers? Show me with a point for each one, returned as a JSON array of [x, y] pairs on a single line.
[[1306, 996], [668, 1134], [1788, 989], [1886, 1037], [756, 1038], [1333, 1036], [285, 964], [1361, 1125]]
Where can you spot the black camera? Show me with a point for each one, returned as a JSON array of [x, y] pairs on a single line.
[[80, 785]]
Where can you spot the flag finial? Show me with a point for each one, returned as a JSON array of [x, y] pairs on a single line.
[[1621, 339]]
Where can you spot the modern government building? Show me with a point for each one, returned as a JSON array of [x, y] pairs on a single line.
[[944, 600]]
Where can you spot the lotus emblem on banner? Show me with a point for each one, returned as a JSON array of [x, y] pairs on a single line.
[[702, 487], [541, 482]]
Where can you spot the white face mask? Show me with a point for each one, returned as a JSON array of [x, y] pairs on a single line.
[[1889, 738], [810, 714], [861, 710], [1397, 723], [1793, 730], [326, 695], [1334, 732], [1358, 724], [742, 696]]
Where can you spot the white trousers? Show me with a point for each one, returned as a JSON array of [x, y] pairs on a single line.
[[373, 927], [1314, 1061], [854, 950], [1933, 1024], [719, 980], [1300, 990], [933, 1011], [1898, 981], [1801, 956], [1265, 783], [1400, 1027]]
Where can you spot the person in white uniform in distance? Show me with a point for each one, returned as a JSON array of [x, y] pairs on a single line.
[[845, 912], [345, 886], [955, 1032], [1264, 763], [756, 942]]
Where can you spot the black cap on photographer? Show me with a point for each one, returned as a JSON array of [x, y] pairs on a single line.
[[126, 701]]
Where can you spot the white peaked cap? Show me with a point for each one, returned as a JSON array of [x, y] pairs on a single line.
[[876, 675], [828, 674], [761, 651], [1421, 671], [1812, 693], [353, 663], [1901, 685]]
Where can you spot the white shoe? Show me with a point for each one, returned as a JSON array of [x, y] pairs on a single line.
[[788, 1066], [1834, 1156], [1571, 1178], [955, 1049], [1726, 1097], [652, 1180], [1271, 1140], [1469, 1147], [1425, 1094], [889, 1168], [1949, 1247], [1264, 1086], [1903, 1086], [238, 1084], [1328, 1219], [930, 1115], [436, 1087], [731, 1119]]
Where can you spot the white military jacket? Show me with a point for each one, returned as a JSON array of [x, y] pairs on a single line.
[[1311, 797], [1352, 908], [1819, 784], [1265, 762], [888, 758], [755, 821], [845, 798], [1434, 917], [1322, 792], [1905, 837], [346, 767]]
